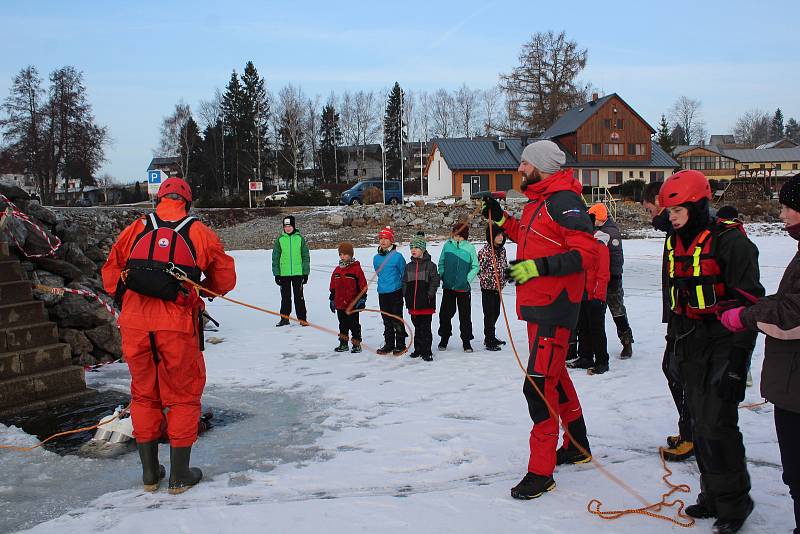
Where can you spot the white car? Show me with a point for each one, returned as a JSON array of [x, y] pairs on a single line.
[[278, 196]]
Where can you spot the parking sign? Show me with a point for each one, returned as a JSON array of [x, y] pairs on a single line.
[[154, 181]]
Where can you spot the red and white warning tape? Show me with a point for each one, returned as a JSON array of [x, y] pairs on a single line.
[[15, 212], [84, 292]]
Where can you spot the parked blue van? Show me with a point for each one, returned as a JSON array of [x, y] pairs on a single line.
[[355, 195]]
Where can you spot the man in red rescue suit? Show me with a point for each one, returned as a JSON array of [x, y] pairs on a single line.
[[555, 248], [161, 328], [709, 266]]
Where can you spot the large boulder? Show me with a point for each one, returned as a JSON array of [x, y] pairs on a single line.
[[62, 268], [335, 220], [72, 253], [45, 215], [46, 278], [105, 337], [77, 341], [13, 192], [77, 311]]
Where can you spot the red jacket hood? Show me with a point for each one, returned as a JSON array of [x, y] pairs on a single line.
[[560, 181]]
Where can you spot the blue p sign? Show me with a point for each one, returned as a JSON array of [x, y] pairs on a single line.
[[154, 177]]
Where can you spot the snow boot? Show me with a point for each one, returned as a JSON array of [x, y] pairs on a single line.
[[533, 486], [343, 346], [152, 471], [443, 343], [598, 369], [581, 363], [626, 338], [700, 511], [399, 350], [385, 349], [467, 347], [673, 441], [181, 476], [683, 450], [427, 357], [414, 354], [283, 322], [569, 453], [491, 345], [356, 347], [729, 526]]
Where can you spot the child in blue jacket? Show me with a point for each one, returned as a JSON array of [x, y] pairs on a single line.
[[390, 266]]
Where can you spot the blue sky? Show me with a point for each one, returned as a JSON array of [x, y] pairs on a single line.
[[139, 58]]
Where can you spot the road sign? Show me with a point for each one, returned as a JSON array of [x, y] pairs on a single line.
[[256, 186], [154, 179]]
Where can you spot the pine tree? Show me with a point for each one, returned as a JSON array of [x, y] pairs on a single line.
[[137, 193], [792, 130], [664, 139], [255, 118], [393, 132], [330, 137], [776, 130], [678, 135], [232, 112]]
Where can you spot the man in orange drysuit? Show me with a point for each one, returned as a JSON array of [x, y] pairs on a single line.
[[161, 338]]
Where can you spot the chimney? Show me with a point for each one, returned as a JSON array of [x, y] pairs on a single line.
[[524, 140], [594, 97]]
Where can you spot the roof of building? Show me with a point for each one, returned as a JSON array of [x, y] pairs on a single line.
[[573, 118], [763, 155], [725, 139], [659, 160], [480, 153], [780, 143], [157, 163], [680, 149]]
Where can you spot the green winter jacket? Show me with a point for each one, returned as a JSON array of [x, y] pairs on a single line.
[[290, 255], [458, 265]]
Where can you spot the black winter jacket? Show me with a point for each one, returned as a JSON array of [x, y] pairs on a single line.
[[614, 246], [420, 282]]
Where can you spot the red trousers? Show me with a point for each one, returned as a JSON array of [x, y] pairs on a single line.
[[167, 372], [547, 367]]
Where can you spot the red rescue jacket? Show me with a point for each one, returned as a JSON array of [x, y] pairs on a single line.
[[597, 278]]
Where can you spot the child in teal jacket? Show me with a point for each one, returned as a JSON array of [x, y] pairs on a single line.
[[458, 266]]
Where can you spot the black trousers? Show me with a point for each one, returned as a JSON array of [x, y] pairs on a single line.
[[450, 301], [675, 383], [423, 337], [349, 326], [592, 342], [787, 426], [394, 332], [703, 354], [289, 285], [490, 300], [616, 303]]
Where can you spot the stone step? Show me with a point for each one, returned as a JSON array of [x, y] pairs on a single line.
[[15, 338], [24, 390], [36, 360], [45, 404], [10, 271], [22, 313], [19, 291]]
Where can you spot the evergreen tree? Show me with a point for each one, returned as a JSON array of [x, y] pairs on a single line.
[[330, 137], [255, 118], [678, 135], [664, 139], [393, 132], [792, 130], [776, 130], [233, 102], [137, 193]]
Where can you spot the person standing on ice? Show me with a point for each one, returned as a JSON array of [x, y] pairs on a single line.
[[458, 267], [555, 246], [420, 282], [291, 264], [778, 316], [680, 447], [493, 264], [710, 264], [390, 266], [347, 283], [160, 324], [615, 296]]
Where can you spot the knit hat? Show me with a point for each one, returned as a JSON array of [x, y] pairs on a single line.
[[346, 248], [418, 241], [790, 193], [600, 212], [461, 228], [727, 212], [496, 230], [545, 156], [289, 221], [386, 233]]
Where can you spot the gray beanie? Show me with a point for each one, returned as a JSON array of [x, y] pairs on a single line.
[[545, 156]]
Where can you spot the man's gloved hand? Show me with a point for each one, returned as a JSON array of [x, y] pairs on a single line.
[[333, 305], [522, 270], [732, 319], [362, 303], [305, 279], [278, 280], [491, 209]]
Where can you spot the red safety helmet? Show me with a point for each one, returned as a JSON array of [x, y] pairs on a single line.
[[682, 187], [175, 185]]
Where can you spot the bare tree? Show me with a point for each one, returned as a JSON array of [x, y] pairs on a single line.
[[106, 181], [490, 101], [367, 120], [442, 106], [424, 115], [753, 127], [177, 139], [685, 112], [466, 105], [291, 102], [544, 85], [312, 127]]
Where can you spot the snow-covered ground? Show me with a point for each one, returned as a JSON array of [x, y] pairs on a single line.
[[364, 443]]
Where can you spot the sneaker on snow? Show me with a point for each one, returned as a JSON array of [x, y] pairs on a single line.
[[283, 322], [399, 351], [414, 354], [443, 344], [533, 486], [598, 369], [571, 455], [682, 450], [492, 347], [427, 357], [385, 349], [343, 347], [356, 349], [467, 347], [729, 526], [581, 363], [699, 511]]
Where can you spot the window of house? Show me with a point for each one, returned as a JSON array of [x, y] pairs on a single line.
[[762, 166], [607, 123], [725, 163], [656, 176], [745, 166], [590, 177], [637, 149], [363, 172], [777, 166], [586, 149], [794, 166], [355, 172], [641, 174], [595, 149], [614, 177], [630, 174], [619, 124], [613, 149], [503, 182]]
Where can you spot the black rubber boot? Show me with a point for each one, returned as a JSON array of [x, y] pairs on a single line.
[[730, 526], [533, 486], [570, 454], [700, 511], [152, 471], [385, 349], [181, 476], [580, 363]]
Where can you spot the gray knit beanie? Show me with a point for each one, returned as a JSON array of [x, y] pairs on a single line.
[[545, 156]]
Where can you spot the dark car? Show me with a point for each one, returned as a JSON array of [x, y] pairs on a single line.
[[83, 203], [392, 195]]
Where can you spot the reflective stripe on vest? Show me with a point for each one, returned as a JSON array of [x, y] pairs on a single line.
[[695, 285]]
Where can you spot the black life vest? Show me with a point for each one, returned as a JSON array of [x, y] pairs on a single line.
[[696, 284], [159, 246]]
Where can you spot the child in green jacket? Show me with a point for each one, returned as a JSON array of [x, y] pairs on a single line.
[[291, 264], [458, 266]]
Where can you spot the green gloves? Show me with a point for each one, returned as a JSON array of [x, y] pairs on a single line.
[[522, 270]]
